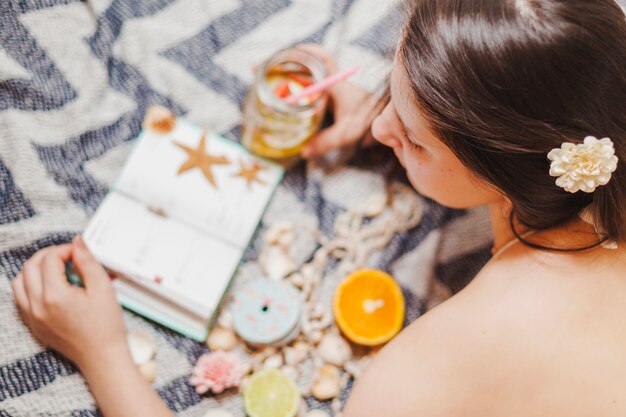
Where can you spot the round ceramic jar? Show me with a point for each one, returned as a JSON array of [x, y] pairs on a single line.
[[267, 312]]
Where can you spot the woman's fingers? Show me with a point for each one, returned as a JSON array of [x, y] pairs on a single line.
[[92, 273], [21, 299], [333, 137], [33, 286], [53, 271]]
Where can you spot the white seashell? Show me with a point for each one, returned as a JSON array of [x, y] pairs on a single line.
[[294, 356], [141, 346], [286, 239], [246, 368], [148, 370], [335, 405], [375, 205], [317, 311], [297, 280], [356, 367], [334, 350], [327, 383], [316, 413], [273, 235], [276, 262], [219, 412], [221, 339], [268, 351], [301, 346], [290, 371], [225, 319], [315, 336], [274, 361]]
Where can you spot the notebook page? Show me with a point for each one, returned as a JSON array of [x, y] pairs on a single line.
[[163, 255], [226, 205]]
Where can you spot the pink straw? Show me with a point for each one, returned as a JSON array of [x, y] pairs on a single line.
[[323, 85]]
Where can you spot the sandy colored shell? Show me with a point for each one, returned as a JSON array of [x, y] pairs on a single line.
[[316, 413], [218, 412], [222, 339], [159, 119], [334, 349], [149, 371], [141, 347], [327, 383]]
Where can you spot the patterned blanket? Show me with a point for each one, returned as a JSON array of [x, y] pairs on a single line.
[[75, 80]]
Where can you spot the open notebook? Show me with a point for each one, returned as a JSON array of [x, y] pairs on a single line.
[[176, 224]]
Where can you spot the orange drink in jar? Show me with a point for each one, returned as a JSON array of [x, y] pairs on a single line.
[[273, 128]]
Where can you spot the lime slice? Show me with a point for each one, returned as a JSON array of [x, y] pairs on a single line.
[[271, 393]]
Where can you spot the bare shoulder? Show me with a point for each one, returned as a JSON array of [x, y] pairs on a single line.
[[449, 362], [507, 339]]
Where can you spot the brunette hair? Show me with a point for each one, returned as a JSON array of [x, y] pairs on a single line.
[[502, 82]]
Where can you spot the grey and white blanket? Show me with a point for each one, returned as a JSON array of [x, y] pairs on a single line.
[[75, 80]]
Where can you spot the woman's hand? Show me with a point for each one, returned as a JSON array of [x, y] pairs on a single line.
[[84, 324], [354, 109]]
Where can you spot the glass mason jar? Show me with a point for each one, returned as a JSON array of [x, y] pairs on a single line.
[[273, 128]]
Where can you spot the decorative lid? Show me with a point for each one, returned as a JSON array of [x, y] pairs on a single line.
[[266, 311]]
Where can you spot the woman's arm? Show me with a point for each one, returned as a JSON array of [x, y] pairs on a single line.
[[85, 325]]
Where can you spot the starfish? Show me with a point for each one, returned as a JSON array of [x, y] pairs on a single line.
[[199, 158], [249, 172]]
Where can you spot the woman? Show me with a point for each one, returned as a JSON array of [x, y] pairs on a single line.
[[490, 102]]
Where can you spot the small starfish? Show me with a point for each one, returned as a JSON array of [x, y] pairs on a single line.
[[249, 172], [199, 158]]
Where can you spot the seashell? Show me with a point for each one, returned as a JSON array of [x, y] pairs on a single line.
[[225, 319], [159, 119], [141, 347], [335, 405], [297, 280], [274, 361], [294, 356], [221, 339], [276, 263], [290, 371], [356, 367], [334, 350], [316, 413], [246, 368], [307, 271], [317, 311], [301, 346], [268, 351], [148, 370], [315, 336], [219, 412], [326, 384], [276, 231], [375, 205]]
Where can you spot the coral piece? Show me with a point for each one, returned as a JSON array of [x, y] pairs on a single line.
[[217, 371]]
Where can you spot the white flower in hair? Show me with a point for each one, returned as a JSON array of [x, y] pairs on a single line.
[[583, 166]]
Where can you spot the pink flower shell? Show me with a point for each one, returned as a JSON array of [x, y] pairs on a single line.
[[217, 371]]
